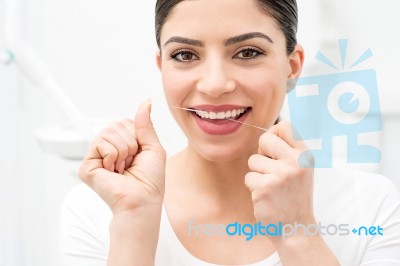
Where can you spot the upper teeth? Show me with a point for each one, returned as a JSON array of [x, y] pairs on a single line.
[[221, 115]]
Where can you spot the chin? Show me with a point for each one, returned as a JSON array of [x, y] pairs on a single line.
[[224, 152]]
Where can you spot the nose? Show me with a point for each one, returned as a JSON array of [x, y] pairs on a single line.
[[215, 80]]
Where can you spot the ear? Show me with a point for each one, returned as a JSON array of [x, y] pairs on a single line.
[[296, 60], [158, 59]]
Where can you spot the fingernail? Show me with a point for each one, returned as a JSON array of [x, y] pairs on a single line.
[[146, 103], [121, 167], [150, 103]]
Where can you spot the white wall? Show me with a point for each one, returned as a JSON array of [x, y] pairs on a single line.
[[102, 53], [367, 24], [10, 126], [10, 170]]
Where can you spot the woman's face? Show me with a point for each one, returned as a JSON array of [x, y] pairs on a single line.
[[226, 59]]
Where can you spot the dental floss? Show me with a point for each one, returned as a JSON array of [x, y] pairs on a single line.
[[247, 124]]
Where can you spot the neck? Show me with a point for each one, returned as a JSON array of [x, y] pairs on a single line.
[[220, 184]]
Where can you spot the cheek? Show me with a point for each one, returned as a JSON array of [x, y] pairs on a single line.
[[267, 90], [177, 86], [264, 87], [172, 84]]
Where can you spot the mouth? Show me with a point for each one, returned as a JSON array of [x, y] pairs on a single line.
[[220, 113], [233, 114], [219, 120]]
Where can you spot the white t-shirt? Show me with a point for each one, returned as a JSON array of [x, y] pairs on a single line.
[[342, 196]]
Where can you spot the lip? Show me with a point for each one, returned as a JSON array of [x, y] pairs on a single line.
[[219, 126]]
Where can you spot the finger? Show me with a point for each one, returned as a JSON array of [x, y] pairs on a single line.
[[129, 124], [260, 182], [109, 153], [252, 179], [145, 132], [126, 129], [112, 136], [129, 162], [288, 133], [274, 147], [263, 165]]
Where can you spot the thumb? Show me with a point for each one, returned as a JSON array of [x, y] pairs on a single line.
[[147, 137]]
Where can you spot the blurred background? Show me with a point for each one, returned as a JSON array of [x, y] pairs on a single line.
[[102, 54]]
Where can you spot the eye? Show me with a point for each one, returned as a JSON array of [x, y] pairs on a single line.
[[249, 53], [184, 56]]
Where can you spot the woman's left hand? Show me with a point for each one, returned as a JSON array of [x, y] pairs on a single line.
[[281, 185], [282, 190]]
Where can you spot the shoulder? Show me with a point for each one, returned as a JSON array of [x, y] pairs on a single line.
[[84, 222], [354, 194], [82, 196], [353, 182], [83, 211], [355, 200], [82, 205]]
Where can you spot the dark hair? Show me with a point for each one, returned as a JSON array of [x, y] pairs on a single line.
[[283, 11]]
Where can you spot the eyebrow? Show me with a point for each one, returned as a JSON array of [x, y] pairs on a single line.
[[247, 36], [184, 40], [227, 42]]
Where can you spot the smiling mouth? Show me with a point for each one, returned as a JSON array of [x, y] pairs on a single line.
[[233, 114]]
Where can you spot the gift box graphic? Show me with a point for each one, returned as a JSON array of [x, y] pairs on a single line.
[[345, 103]]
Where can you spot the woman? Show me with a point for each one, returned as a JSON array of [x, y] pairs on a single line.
[[226, 59]]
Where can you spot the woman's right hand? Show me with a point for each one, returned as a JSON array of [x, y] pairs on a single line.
[[125, 164]]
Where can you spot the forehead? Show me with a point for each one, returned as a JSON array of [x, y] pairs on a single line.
[[218, 18]]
